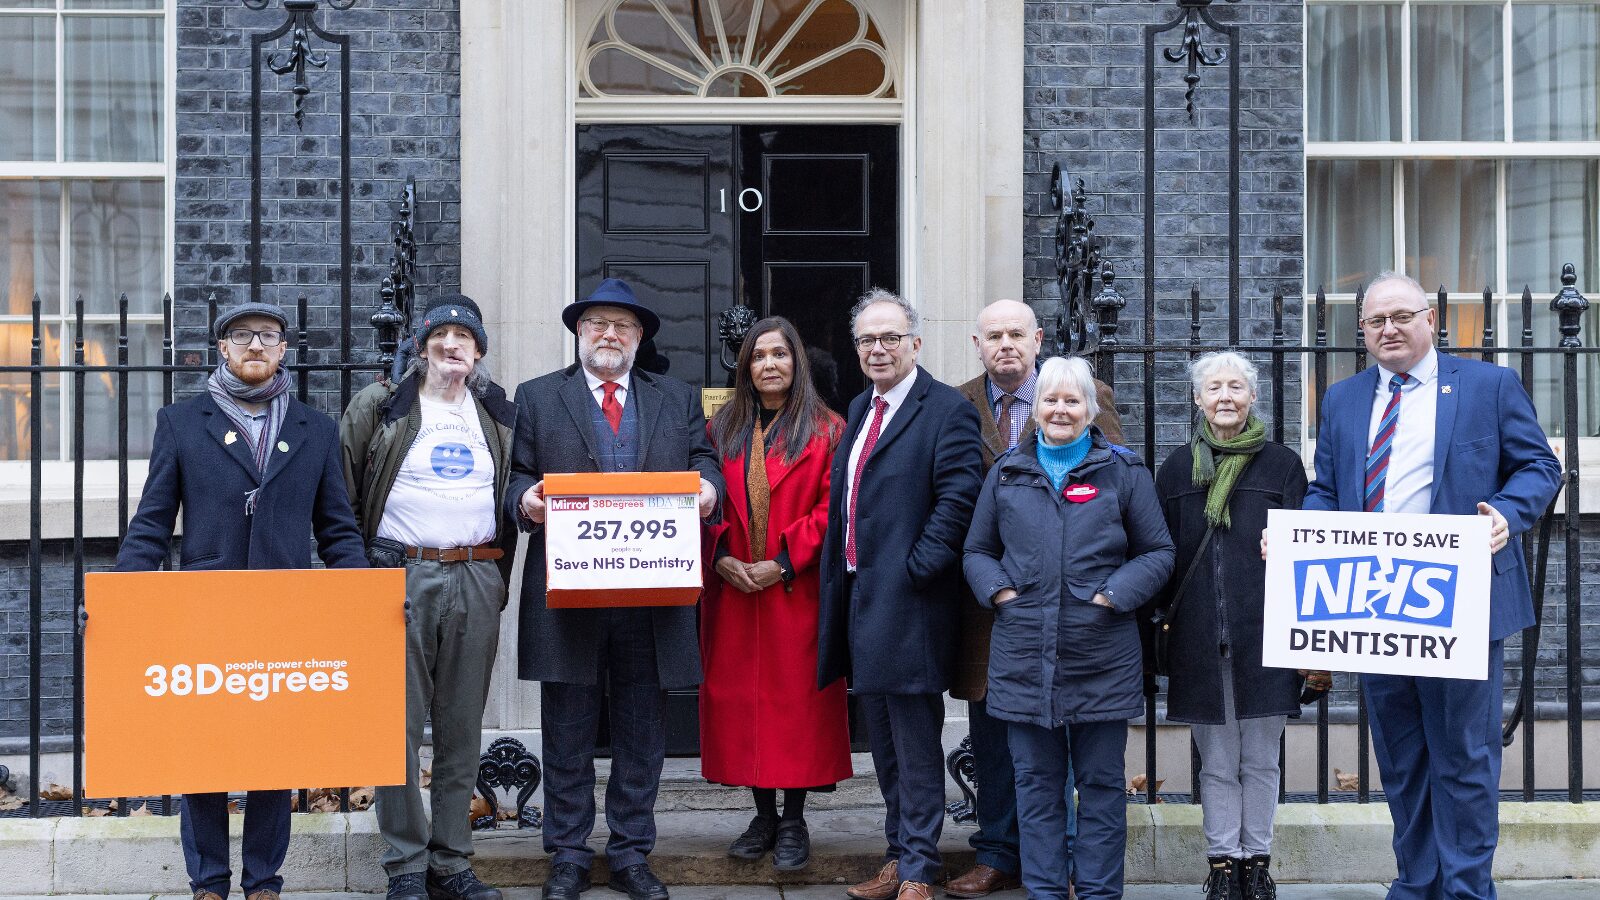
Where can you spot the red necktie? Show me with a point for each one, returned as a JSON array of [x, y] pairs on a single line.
[[610, 406], [879, 405]]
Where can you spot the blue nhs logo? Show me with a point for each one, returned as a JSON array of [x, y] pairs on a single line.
[[1364, 587]]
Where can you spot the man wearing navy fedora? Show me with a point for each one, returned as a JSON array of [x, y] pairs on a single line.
[[603, 414]]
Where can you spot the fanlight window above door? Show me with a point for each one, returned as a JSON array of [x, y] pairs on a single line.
[[735, 48]]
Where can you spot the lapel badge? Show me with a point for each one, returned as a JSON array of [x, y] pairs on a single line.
[[1080, 493], [229, 438], [283, 446], [1445, 389]]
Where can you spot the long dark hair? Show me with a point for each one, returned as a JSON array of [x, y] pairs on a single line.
[[802, 416]]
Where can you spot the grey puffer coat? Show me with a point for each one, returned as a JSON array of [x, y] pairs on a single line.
[[1056, 657]]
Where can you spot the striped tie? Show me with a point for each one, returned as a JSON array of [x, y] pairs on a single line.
[[1382, 444]]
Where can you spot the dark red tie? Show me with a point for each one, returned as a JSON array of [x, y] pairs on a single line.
[[610, 406], [879, 405]]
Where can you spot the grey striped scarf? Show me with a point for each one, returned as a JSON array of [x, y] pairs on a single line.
[[228, 391]]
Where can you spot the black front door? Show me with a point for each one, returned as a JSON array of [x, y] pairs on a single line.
[[790, 220]]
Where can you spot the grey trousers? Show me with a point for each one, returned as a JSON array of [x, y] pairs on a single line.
[[1238, 779], [450, 649]]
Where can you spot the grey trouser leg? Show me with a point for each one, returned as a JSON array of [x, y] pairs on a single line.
[[1238, 779], [450, 649]]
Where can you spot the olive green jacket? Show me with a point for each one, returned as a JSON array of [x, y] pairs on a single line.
[[377, 431]]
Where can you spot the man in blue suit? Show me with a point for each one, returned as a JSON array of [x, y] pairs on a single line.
[[1427, 433], [257, 474], [904, 482]]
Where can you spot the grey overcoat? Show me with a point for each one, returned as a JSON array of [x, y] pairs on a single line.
[[555, 433]]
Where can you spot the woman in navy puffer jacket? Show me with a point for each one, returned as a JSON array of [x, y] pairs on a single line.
[[1067, 542]]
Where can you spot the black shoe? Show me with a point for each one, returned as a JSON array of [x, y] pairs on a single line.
[[410, 886], [793, 849], [1223, 881], [638, 882], [566, 882], [1255, 882], [463, 885], [757, 840]]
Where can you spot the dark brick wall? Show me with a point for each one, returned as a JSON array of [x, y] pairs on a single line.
[[56, 648], [1083, 82], [405, 121]]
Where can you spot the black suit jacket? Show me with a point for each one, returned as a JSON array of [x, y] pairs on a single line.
[[896, 633], [555, 433]]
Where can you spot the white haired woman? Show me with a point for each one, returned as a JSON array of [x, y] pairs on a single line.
[[1215, 493], [1067, 542]]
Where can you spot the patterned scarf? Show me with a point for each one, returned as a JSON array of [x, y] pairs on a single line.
[[229, 391], [1222, 476]]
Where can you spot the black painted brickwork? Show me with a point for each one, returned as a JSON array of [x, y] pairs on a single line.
[[405, 121], [1083, 82]]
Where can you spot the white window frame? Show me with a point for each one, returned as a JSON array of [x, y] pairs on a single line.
[[1500, 152], [100, 475]]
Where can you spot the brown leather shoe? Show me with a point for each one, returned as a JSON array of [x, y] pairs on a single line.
[[883, 886], [262, 895], [981, 881], [207, 895], [915, 890]]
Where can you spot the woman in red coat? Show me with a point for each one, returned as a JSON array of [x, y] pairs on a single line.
[[763, 723]]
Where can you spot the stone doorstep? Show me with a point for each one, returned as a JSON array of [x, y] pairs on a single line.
[[331, 852]]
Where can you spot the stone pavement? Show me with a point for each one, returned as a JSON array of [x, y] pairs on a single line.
[[1509, 890]]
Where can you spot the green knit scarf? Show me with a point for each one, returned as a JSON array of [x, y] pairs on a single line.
[[1222, 476]]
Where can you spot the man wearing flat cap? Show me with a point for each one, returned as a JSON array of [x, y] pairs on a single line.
[[256, 474], [604, 414], [426, 460]]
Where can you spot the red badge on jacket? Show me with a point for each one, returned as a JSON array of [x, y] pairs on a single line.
[[1080, 493]]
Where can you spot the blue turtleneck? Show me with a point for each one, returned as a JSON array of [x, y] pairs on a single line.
[[1059, 459]]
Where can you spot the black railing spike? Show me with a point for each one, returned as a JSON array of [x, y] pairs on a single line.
[[1488, 322], [1444, 317]]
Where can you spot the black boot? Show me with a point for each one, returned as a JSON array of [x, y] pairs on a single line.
[[1223, 881], [757, 840], [1255, 882]]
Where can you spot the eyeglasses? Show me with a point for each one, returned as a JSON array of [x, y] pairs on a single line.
[[243, 337], [601, 326], [889, 341], [1400, 319]]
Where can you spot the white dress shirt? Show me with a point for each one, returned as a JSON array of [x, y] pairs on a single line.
[[597, 388], [896, 398], [1408, 484]]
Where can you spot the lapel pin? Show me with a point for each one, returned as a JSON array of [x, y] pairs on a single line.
[[229, 438], [283, 446], [1445, 389]]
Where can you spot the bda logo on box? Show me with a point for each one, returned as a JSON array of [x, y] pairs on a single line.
[[1364, 587]]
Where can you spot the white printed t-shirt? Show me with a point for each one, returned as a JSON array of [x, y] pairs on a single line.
[[443, 494]]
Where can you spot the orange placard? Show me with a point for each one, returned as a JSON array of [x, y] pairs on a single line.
[[617, 539], [243, 680]]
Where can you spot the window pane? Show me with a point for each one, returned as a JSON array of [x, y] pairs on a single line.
[[114, 4], [1555, 53], [30, 247], [1456, 73], [1349, 222], [1450, 223], [1353, 72], [28, 98], [118, 231], [100, 410], [1550, 220], [113, 92], [1547, 388], [16, 414]]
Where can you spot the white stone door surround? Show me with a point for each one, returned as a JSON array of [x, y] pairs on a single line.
[[961, 218]]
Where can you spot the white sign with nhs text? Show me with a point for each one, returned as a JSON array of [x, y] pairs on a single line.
[[1383, 593]]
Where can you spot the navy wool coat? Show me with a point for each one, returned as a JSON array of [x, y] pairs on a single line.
[[555, 434], [897, 632], [1055, 657], [193, 466]]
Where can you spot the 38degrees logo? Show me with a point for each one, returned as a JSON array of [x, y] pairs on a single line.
[[1365, 587]]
